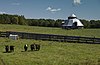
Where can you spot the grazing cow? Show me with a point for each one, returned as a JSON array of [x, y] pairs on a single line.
[[11, 48], [32, 46], [25, 47], [37, 47], [7, 48]]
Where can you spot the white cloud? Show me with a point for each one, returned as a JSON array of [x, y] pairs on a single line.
[[17, 4], [77, 1], [53, 9], [2, 12], [49, 8]]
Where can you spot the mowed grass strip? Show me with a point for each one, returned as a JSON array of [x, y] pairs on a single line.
[[51, 53], [50, 30]]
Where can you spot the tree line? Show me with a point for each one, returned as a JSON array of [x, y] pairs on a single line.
[[12, 19], [44, 22], [91, 23], [21, 20]]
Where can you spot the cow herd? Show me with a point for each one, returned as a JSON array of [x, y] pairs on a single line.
[[33, 47], [9, 48]]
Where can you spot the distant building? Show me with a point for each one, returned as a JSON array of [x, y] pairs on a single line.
[[13, 37], [72, 23]]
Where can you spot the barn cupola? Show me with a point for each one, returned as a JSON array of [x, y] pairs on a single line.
[[72, 16]]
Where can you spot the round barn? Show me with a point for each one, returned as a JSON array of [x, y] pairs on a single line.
[[72, 23]]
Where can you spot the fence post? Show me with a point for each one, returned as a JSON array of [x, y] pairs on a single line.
[[79, 39], [0, 33], [94, 39]]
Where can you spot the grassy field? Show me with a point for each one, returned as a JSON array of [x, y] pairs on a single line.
[[51, 53], [49, 30]]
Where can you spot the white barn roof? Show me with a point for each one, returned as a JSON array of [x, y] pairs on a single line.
[[71, 21]]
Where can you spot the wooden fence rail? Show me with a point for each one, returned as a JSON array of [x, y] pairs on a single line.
[[52, 37]]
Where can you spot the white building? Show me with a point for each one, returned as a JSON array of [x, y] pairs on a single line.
[[72, 23], [13, 37]]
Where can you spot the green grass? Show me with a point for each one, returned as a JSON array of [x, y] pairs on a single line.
[[51, 53], [49, 30]]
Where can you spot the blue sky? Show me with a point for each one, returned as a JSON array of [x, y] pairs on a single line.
[[52, 9]]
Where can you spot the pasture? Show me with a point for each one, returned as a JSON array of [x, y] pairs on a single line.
[[49, 30], [50, 53]]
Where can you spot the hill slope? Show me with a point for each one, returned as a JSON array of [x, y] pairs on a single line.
[[51, 53], [49, 30]]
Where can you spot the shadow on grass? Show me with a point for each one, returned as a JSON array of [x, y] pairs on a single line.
[[8, 52], [21, 51], [29, 51]]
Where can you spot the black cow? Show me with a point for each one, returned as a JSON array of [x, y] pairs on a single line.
[[35, 47], [11, 48], [7, 48], [32, 46], [25, 47]]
